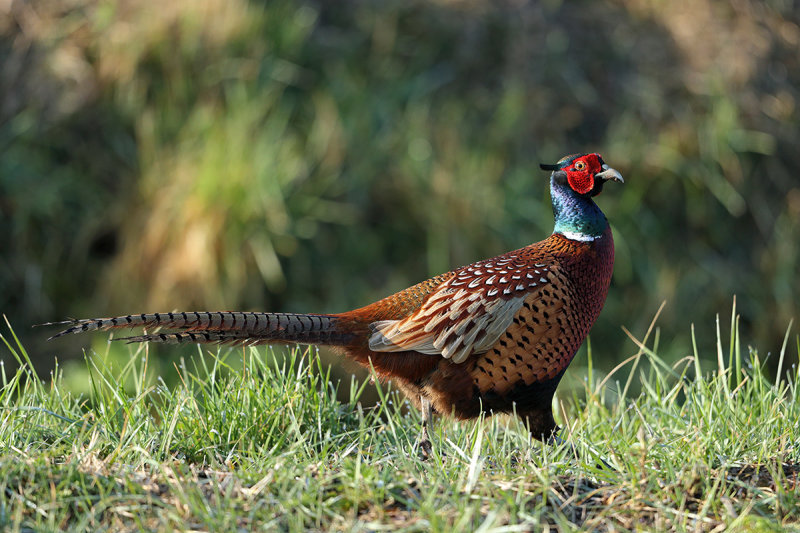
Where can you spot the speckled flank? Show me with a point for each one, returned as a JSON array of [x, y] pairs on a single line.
[[536, 346], [544, 336], [528, 359]]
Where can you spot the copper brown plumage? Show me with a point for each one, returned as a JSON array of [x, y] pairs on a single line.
[[493, 336]]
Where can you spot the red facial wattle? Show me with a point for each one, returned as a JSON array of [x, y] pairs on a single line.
[[580, 181], [580, 174]]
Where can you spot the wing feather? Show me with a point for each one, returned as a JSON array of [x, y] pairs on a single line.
[[467, 313]]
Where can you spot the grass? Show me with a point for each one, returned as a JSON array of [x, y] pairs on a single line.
[[256, 439]]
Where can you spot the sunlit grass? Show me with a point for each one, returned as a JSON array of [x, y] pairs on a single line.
[[250, 440]]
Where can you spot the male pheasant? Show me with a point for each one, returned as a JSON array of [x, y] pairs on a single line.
[[494, 336]]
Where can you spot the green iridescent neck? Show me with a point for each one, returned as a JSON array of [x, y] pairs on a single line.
[[577, 217]]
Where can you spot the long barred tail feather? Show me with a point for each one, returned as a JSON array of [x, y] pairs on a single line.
[[222, 327], [204, 337]]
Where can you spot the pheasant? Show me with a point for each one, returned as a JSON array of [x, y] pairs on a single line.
[[495, 336]]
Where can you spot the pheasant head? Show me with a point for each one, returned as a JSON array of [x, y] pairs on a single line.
[[574, 181]]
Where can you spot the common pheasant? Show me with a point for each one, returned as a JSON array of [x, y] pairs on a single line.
[[495, 336]]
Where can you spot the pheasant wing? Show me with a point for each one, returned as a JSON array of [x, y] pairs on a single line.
[[467, 313]]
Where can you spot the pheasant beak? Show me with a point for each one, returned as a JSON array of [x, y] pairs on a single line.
[[609, 173]]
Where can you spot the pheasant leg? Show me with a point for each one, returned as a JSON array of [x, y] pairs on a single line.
[[427, 418]]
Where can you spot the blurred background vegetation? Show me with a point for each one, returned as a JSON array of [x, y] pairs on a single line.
[[316, 156]]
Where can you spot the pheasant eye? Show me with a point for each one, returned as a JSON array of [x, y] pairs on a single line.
[[580, 165]]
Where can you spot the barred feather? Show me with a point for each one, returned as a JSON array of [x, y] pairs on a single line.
[[220, 327]]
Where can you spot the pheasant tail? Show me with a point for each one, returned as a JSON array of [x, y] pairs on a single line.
[[236, 328]]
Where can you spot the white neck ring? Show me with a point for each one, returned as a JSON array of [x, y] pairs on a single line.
[[582, 237]]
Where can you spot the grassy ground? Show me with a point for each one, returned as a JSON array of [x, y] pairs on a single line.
[[246, 442]]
